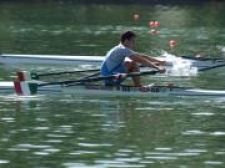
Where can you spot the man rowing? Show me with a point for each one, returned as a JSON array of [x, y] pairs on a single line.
[[115, 63]]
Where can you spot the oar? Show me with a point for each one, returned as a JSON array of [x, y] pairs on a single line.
[[211, 67], [201, 58], [92, 75], [101, 78], [219, 62], [37, 76]]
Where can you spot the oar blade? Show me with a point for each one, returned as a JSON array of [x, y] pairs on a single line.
[[23, 84], [25, 88]]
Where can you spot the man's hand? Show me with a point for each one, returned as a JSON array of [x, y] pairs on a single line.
[[161, 63], [161, 69]]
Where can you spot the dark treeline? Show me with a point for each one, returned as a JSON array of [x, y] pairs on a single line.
[[163, 2]]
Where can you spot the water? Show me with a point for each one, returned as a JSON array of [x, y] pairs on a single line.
[[111, 132], [67, 130]]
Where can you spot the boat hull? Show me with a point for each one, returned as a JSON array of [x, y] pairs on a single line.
[[22, 59], [152, 91], [149, 91]]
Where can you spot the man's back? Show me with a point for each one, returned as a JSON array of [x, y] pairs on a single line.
[[116, 56]]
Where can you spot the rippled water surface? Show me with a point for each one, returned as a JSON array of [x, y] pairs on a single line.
[[75, 131], [86, 131]]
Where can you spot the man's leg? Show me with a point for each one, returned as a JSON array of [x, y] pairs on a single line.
[[133, 67]]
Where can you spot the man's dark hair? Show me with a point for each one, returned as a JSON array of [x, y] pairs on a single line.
[[127, 36]]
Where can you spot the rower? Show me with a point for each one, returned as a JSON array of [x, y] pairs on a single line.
[[115, 63]]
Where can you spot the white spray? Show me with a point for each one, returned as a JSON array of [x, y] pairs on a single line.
[[180, 67]]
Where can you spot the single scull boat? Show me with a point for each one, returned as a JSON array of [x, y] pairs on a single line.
[[24, 85]]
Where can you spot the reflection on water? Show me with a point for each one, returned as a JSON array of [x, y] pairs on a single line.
[[83, 131]]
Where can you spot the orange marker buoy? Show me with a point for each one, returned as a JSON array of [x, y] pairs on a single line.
[[172, 43], [157, 23], [154, 24], [151, 24], [136, 17]]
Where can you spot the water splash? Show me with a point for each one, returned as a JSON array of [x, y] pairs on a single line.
[[180, 67]]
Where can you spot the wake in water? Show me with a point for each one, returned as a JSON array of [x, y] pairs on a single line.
[[15, 97], [180, 67]]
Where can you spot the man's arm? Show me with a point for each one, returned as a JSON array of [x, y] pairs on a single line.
[[152, 59], [147, 62]]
